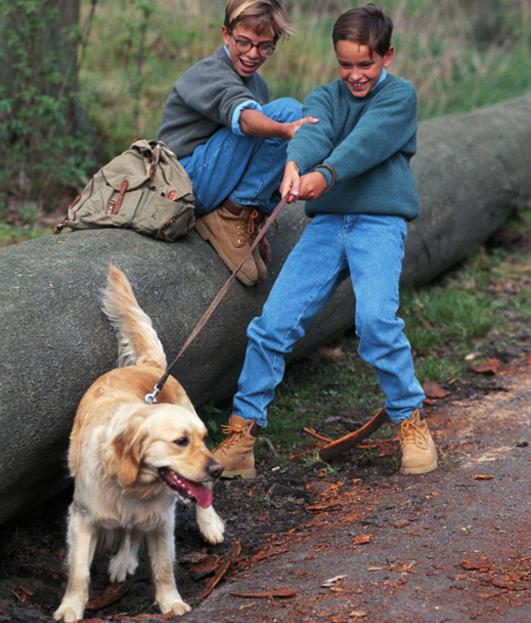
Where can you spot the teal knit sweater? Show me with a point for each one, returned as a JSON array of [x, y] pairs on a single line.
[[365, 144]]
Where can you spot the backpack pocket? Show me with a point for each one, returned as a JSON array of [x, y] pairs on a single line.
[[163, 217]]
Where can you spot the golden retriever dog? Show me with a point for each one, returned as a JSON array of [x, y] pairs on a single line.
[[132, 461]]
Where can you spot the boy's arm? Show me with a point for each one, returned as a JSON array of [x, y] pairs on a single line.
[[384, 129], [313, 143], [255, 123]]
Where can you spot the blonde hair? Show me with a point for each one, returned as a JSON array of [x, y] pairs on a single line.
[[263, 14]]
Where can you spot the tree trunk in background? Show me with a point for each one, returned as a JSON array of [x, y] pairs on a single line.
[[40, 117]]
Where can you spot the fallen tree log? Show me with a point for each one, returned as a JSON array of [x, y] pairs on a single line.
[[472, 170]]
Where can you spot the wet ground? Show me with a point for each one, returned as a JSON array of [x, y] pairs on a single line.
[[353, 540]]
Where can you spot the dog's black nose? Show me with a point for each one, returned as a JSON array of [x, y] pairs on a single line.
[[215, 469]]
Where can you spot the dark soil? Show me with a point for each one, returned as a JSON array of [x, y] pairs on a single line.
[[355, 540]]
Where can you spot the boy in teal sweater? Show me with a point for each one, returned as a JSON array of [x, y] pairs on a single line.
[[353, 170]]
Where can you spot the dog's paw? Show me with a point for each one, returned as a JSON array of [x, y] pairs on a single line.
[[173, 605], [121, 565], [70, 610], [210, 524]]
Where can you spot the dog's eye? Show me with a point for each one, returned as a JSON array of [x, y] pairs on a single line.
[[182, 442]]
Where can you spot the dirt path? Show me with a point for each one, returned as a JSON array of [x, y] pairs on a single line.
[[356, 542], [448, 546]]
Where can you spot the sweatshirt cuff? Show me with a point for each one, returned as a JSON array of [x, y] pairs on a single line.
[[328, 172], [235, 121]]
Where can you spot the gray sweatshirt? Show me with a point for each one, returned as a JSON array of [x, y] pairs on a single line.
[[207, 97]]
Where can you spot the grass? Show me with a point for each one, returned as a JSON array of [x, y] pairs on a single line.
[[481, 307], [11, 234]]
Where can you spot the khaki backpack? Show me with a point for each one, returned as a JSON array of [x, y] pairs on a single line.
[[145, 189]]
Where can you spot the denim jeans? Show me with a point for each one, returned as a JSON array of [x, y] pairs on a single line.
[[371, 249], [246, 169]]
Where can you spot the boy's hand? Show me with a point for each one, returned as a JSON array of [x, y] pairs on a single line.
[[293, 126], [312, 185], [289, 188]]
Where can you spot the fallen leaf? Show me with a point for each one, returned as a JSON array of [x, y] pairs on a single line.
[[138, 617], [332, 581], [357, 614], [432, 389], [509, 585], [480, 564], [231, 557], [281, 593], [266, 552], [484, 476], [205, 567], [489, 366], [407, 567], [361, 539], [23, 594], [108, 595], [325, 506]]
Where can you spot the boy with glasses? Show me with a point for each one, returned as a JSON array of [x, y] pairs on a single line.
[[230, 139]]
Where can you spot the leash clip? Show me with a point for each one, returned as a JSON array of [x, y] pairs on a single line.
[[151, 399]]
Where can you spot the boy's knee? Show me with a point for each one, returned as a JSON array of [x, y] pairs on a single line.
[[284, 109]]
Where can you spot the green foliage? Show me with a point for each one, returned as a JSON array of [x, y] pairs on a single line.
[[44, 153]]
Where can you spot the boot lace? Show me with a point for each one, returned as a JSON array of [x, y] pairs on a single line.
[[255, 219], [410, 432], [234, 433], [247, 226]]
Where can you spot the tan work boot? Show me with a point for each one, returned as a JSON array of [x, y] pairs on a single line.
[[235, 452], [230, 229], [419, 454]]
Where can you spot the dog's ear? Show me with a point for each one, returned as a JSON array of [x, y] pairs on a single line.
[[127, 447]]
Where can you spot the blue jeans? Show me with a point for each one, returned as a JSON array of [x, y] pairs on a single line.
[[246, 169], [371, 249]]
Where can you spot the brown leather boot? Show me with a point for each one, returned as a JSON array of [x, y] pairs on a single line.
[[230, 229], [419, 454], [261, 267], [235, 452]]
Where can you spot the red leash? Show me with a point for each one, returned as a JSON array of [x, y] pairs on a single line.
[[152, 397]]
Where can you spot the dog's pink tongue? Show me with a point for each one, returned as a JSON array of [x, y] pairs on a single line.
[[201, 493]]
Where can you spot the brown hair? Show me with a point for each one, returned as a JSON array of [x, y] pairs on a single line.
[[366, 25], [263, 14]]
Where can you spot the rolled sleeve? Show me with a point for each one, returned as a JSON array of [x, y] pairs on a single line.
[[235, 121]]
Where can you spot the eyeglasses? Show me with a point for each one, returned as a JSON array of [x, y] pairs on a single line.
[[264, 49]]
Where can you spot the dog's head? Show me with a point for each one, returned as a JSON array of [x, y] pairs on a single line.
[[166, 443]]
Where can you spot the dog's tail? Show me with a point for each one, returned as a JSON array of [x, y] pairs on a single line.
[[137, 340]]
